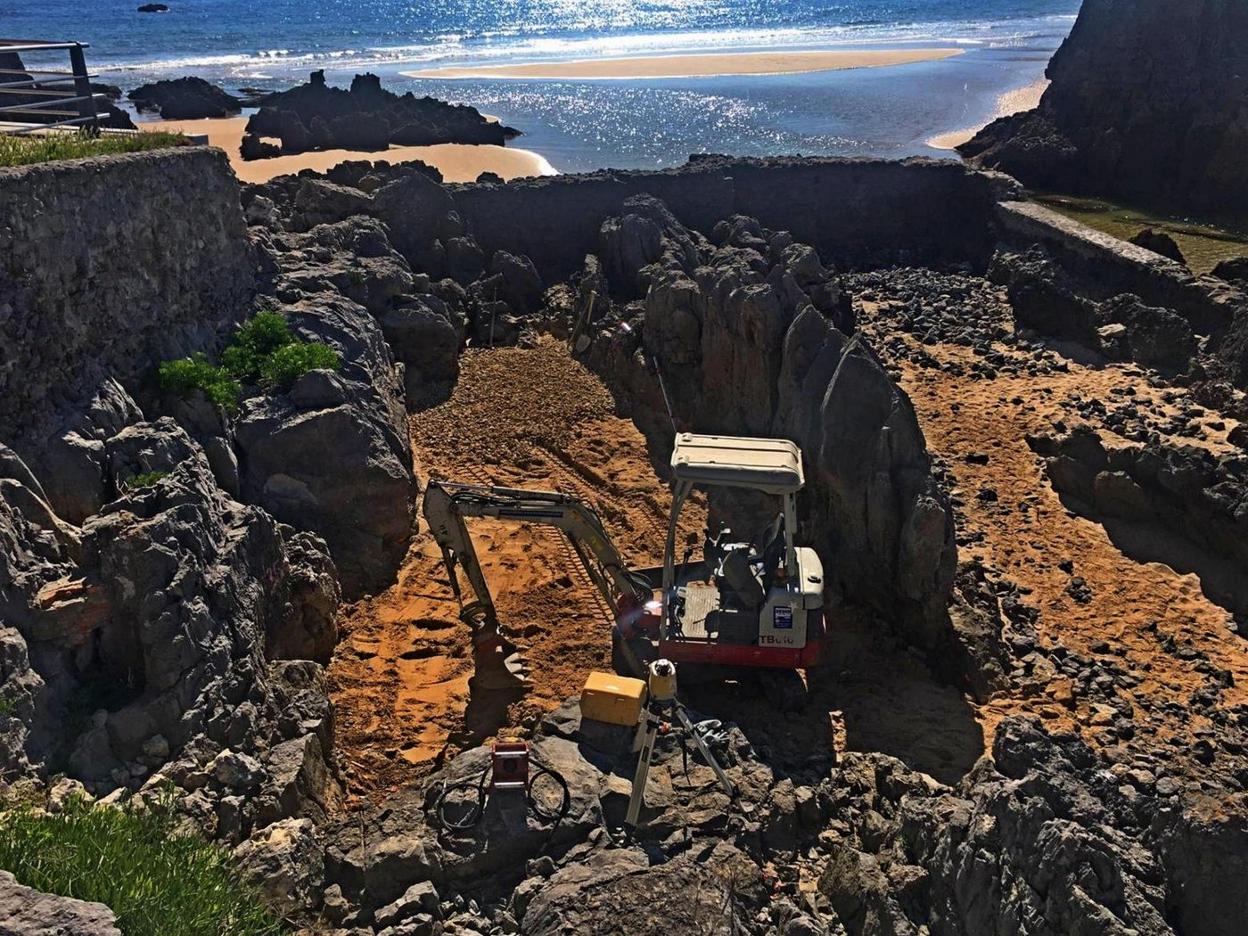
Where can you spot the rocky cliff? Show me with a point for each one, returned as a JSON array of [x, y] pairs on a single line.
[[1149, 104]]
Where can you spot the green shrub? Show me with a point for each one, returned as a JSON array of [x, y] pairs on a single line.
[[144, 479], [186, 375], [156, 879], [253, 343], [286, 365], [262, 352], [7, 706]]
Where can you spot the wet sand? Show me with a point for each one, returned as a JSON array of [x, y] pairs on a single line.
[[695, 66], [1012, 102], [458, 162]]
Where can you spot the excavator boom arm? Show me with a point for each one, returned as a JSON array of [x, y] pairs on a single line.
[[447, 504]]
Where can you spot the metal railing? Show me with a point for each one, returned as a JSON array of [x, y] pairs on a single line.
[[39, 98]]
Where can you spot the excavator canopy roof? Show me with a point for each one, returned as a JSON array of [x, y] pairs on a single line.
[[770, 465]]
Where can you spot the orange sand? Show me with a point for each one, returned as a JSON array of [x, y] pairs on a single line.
[[457, 162]]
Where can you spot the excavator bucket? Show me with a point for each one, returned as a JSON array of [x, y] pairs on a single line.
[[497, 661], [498, 665]]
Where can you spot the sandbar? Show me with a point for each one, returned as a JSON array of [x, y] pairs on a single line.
[[458, 162], [696, 65], [1011, 102]]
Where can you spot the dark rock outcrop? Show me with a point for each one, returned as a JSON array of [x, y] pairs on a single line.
[[753, 337], [1147, 104], [1045, 298], [1182, 494], [316, 116], [150, 627], [185, 99]]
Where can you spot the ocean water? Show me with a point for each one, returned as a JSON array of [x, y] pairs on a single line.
[[580, 125]]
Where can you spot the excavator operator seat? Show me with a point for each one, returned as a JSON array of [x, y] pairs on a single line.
[[740, 577]]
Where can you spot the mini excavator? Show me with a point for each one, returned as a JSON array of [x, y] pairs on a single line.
[[746, 604]]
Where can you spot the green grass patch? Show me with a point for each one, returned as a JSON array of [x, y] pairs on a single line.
[[287, 364], [157, 879], [29, 149], [263, 352], [7, 706], [144, 479]]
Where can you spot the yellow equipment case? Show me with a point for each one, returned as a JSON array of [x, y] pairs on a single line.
[[616, 700]]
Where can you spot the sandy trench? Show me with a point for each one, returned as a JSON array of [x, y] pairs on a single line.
[[533, 417]]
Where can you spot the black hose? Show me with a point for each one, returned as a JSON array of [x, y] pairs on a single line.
[[481, 783]]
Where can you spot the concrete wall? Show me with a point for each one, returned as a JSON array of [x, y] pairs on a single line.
[[1111, 266], [110, 264], [851, 210]]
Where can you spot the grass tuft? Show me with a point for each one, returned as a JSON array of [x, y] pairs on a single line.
[[29, 149], [187, 375], [157, 879], [144, 479]]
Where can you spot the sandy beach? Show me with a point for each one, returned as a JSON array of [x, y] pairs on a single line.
[[1012, 102], [457, 162], [695, 66]]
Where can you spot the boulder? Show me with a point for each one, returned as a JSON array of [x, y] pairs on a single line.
[[519, 284], [333, 456], [321, 202], [1234, 270], [620, 893], [25, 911], [1159, 242], [426, 337], [185, 99], [1151, 336], [285, 864]]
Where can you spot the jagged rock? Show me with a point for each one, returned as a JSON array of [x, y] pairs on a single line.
[[25, 911], [419, 898], [20, 686], [619, 893], [185, 99], [309, 630], [322, 202], [235, 770], [284, 863], [744, 351], [300, 779], [1151, 336], [71, 461], [338, 463], [519, 284], [426, 337]]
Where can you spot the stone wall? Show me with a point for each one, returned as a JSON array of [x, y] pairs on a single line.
[[850, 210], [1113, 266], [110, 264]]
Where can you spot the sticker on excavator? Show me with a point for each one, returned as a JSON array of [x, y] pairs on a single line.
[[782, 617]]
